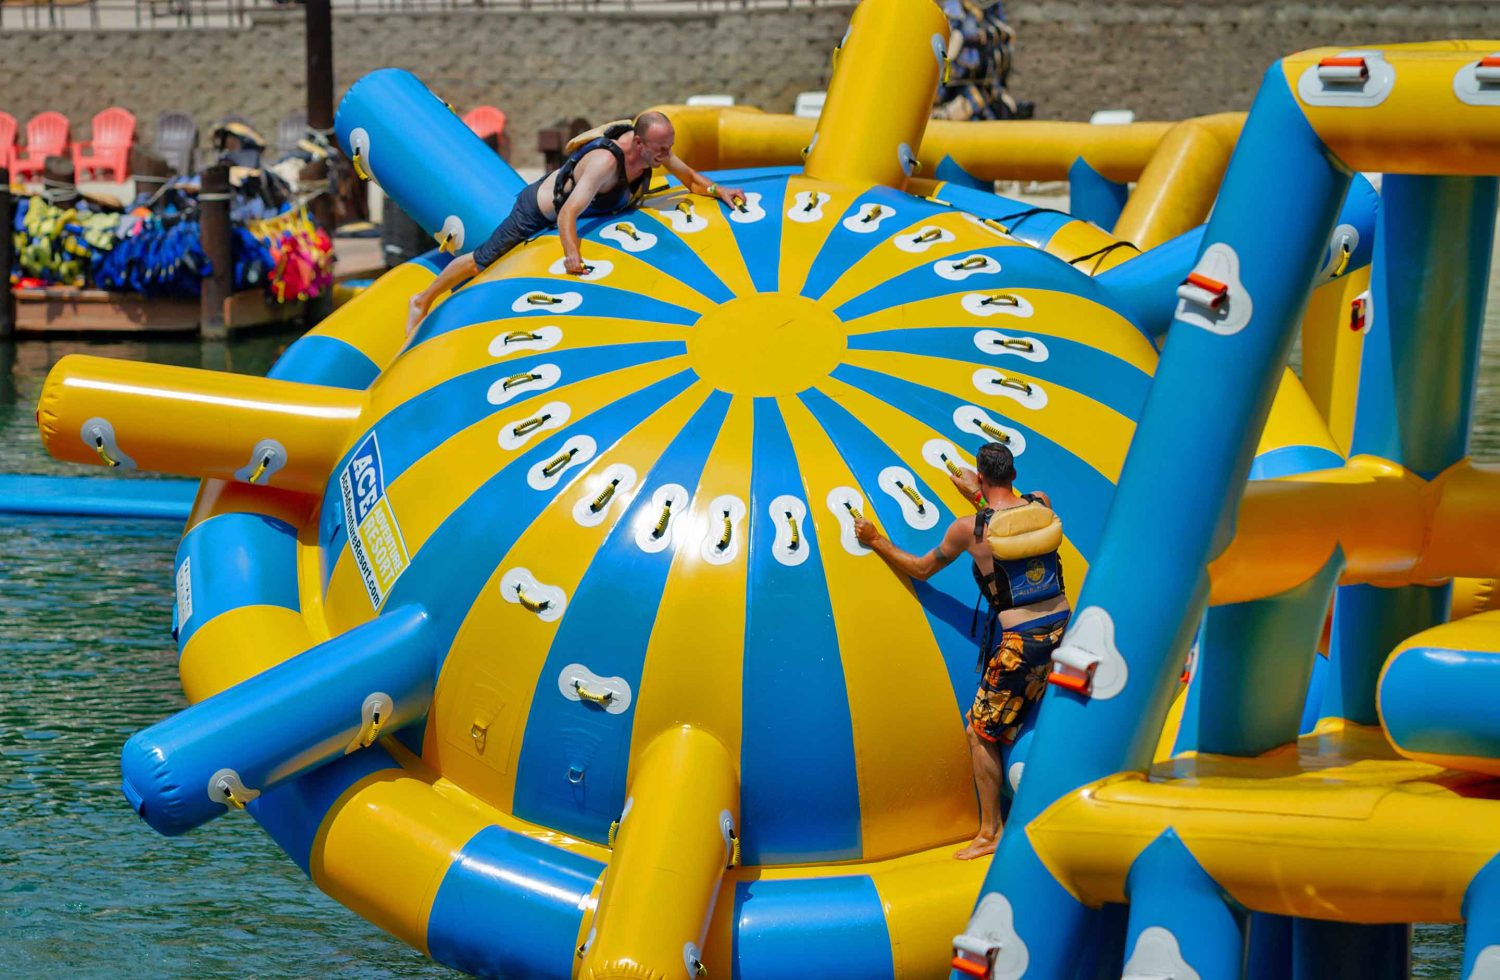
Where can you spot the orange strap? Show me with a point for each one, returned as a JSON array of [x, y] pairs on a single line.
[[965, 965], [1070, 682]]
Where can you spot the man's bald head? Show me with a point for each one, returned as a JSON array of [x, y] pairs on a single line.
[[653, 125], [654, 135]]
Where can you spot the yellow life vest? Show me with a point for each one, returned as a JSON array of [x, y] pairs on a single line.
[[1026, 531]]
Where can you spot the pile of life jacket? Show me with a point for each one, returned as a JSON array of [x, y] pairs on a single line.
[[162, 255], [60, 246], [157, 250], [301, 255], [979, 53]]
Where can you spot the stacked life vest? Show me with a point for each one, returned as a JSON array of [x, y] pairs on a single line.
[[301, 255], [60, 246], [162, 255], [978, 72], [1023, 541], [158, 251]]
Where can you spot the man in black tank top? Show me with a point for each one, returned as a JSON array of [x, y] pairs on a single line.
[[1026, 599], [607, 172]]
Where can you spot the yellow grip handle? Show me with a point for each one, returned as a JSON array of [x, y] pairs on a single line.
[[108, 459], [991, 431], [1015, 384], [593, 697], [528, 603], [558, 462]]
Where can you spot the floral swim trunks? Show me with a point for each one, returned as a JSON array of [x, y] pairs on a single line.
[[1015, 678]]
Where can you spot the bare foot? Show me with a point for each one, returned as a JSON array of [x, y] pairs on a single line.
[[978, 847]]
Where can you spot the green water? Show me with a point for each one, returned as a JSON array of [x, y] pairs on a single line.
[[86, 659]]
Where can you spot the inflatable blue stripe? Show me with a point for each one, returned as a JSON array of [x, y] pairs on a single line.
[[469, 544], [1371, 618], [1144, 289], [492, 300], [235, 560], [760, 241], [948, 615], [435, 261], [510, 906], [797, 750], [1087, 370], [320, 360], [1019, 268], [949, 171], [87, 496], [1291, 460], [670, 254], [293, 812], [1093, 196], [811, 927], [419, 425], [1080, 493], [1027, 222], [607, 628], [750, 177], [843, 248]]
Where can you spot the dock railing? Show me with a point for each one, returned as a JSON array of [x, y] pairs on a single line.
[[72, 15]]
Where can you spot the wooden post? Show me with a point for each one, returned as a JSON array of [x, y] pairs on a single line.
[[7, 255], [320, 118], [213, 228], [320, 90]]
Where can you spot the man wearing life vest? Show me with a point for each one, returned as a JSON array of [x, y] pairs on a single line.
[[1013, 541], [607, 170]]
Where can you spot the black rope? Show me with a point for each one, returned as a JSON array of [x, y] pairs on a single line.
[[1012, 220], [1100, 253]]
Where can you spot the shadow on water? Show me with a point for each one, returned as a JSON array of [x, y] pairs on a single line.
[[86, 660]]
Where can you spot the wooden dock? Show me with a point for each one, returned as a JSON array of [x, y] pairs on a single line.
[[63, 309]]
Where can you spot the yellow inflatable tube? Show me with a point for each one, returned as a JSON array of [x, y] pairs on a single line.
[[1393, 528], [233, 427], [671, 847], [1277, 831]]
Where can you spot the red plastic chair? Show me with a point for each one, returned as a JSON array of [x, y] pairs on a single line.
[[46, 136], [486, 120], [109, 150], [7, 139]]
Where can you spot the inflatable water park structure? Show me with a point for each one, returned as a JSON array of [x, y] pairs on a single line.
[[544, 642]]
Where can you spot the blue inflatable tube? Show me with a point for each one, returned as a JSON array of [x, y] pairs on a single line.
[[461, 194], [332, 700], [80, 496], [1439, 702], [1146, 286]]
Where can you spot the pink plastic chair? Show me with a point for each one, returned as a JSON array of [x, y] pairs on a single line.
[[7, 139], [109, 150], [486, 120], [46, 136]]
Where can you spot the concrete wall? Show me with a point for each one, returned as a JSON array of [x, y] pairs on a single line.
[[539, 68], [1163, 58], [1168, 59]]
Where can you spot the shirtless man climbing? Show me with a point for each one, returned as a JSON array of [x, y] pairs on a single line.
[[603, 175], [1026, 598]]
